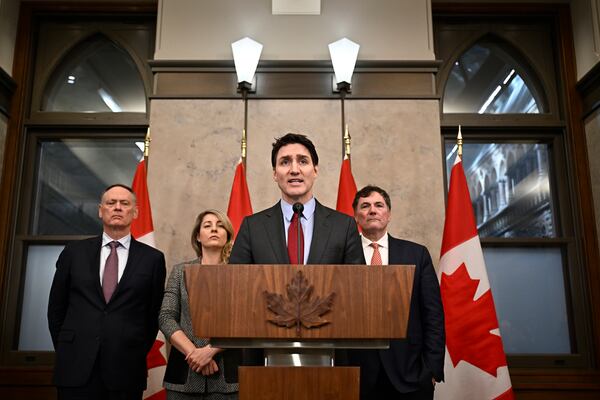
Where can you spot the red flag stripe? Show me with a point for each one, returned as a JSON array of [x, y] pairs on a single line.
[[346, 189], [239, 199], [475, 366], [142, 225], [460, 223]]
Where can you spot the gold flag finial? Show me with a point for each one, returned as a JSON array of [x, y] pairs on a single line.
[[347, 142], [147, 141], [244, 145], [459, 142]]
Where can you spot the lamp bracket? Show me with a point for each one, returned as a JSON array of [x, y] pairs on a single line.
[[340, 86], [248, 87]]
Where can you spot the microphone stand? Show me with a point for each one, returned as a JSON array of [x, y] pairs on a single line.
[[298, 208]]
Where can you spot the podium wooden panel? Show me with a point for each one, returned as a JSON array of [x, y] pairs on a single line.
[[371, 302], [228, 302], [305, 383]]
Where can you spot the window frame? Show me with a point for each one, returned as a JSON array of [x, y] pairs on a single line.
[[565, 239], [560, 121], [30, 126]]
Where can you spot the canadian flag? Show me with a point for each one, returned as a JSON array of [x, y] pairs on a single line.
[[142, 230], [475, 365], [346, 189], [239, 199]]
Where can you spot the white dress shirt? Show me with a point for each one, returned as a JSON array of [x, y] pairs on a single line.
[[384, 249], [122, 253]]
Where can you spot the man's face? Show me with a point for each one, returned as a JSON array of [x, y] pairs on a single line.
[[117, 208], [372, 215], [295, 173]]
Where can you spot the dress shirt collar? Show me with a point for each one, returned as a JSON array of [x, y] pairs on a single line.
[[307, 213], [125, 241], [383, 242]]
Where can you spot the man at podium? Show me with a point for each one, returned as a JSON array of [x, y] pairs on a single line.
[[274, 236], [410, 367]]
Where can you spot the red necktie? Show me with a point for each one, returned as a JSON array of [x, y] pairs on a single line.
[[376, 259], [110, 276], [293, 241]]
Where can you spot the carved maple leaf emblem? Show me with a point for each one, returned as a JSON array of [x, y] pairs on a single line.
[[298, 309], [469, 322]]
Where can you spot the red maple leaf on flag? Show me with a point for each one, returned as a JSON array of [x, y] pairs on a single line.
[[469, 322]]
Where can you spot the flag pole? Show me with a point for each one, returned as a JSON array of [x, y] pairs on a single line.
[[244, 147], [244, 91], [344, 125], [347, 143], [147, 141], [459, 143]]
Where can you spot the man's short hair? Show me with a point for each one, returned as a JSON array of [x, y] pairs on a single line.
[[366, 192], [292, 138], [130, 190]]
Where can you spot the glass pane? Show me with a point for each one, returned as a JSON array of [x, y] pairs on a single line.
[[71, 175], [485, 80], [96, 76], [529, 293], [41, 264], [510, 188]]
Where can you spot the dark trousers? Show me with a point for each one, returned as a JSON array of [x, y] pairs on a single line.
[[95, 389], [384, 390]]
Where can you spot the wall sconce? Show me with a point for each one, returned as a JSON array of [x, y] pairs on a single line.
[[246, 53], [343, 55]]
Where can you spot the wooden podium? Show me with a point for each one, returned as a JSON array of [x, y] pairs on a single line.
[[299, 308]]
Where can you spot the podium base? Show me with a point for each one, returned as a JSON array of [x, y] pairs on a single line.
[[299, 383]]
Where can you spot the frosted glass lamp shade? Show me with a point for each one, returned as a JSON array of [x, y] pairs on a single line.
[[246, 53], [343, 54]]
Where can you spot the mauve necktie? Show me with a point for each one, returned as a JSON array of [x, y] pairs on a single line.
[[293, 241], [111, 272], [376, 259]]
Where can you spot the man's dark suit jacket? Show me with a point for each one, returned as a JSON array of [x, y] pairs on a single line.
[[261, 239], [412, 362], [84, 328]]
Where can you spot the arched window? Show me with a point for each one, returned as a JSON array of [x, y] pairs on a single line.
[[491, 77], [87, 117], [499, 81], [95, 76]]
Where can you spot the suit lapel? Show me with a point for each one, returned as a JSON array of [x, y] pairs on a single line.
[[396, 254], [321, 231], [274, 227], [93, 254], [133, 261]]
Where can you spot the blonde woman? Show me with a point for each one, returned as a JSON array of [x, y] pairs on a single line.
[[195, 369]]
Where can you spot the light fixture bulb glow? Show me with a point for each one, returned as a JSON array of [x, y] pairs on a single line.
[[343, 55], [246, 53]]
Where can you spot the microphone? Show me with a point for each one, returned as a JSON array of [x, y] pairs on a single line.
[[298, 208]]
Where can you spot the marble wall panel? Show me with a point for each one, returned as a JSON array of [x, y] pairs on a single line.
[[195, 147], [396, 144], [318, 119]]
